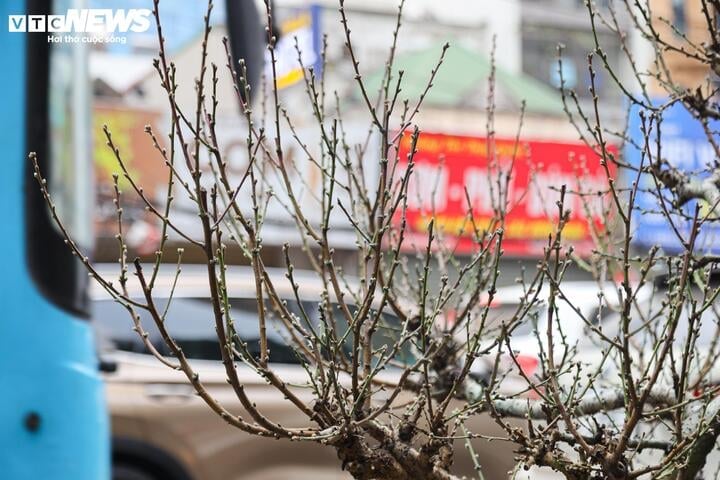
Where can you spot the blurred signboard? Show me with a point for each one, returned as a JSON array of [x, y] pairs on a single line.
[[301, 31], [685, 146], [449, 169], [144, 164]]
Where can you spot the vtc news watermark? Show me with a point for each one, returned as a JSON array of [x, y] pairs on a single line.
[[86, 25]]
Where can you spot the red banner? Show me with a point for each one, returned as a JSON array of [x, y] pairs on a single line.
[[449, 169]]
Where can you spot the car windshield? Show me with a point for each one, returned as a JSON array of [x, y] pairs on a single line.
[[191, 323], [649, 319], [572, 323], [503, 313]]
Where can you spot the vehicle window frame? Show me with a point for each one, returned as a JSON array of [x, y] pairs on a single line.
[[58, 275]]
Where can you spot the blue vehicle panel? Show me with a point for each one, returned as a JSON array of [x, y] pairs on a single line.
[[53, 419]]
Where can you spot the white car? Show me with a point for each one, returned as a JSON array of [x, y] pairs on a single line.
[[578, 306], [583, 310], [163, 431]]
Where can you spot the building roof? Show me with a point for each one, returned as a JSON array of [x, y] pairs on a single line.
[[119, 71], [462, 80]]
